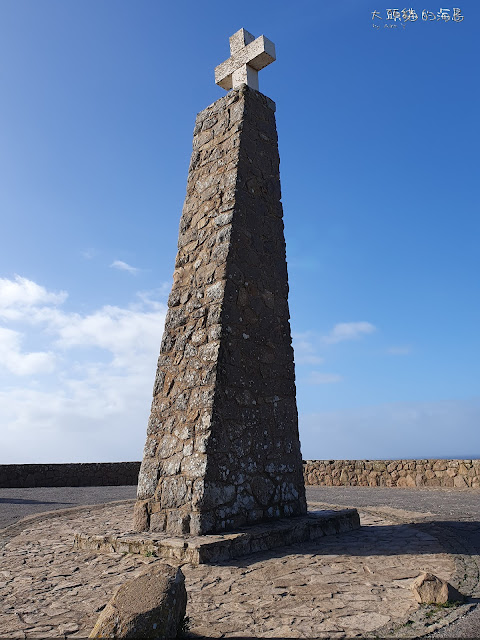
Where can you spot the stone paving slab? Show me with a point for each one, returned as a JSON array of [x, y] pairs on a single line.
[[220, 547], [355, 584]]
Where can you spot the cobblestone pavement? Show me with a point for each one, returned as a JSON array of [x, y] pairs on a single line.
[[452, 515], [351, 585]]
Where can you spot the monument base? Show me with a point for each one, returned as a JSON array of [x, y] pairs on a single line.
[[222, 547]]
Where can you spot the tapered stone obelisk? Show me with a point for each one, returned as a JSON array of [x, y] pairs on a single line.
[[222, 446]]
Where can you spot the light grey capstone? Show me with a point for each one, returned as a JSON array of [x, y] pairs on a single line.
[[247, 57]]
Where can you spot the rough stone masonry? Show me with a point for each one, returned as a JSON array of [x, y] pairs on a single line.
[[222, 447]]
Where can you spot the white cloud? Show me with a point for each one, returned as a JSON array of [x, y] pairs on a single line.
[[318, 377], [18, 362], [348, 331], [122, 332], [19, 296], [399, 351], [94, 405], [123, 266]]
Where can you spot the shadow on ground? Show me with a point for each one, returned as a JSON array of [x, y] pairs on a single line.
[[376, 540], [21, 501]]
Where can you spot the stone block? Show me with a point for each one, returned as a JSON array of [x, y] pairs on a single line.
[[151, 605], [406, 481], [429, 589], [419, 480]]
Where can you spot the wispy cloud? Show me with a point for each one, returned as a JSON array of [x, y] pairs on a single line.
[[318, 377], [305, 348], [348, 331], [88, 254], [124, 266], [399, 351]]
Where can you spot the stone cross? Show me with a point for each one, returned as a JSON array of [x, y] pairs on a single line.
[[247, 56]]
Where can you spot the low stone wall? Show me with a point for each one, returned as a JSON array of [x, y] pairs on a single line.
[[393, 473], [82, 474], [330, 473]]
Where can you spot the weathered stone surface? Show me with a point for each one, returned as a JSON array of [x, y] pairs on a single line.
[[222, 442], [151, 605], [220, 547], [393, 473], [76, 474], [428, 589]]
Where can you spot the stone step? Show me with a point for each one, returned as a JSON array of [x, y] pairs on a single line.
[[220, 547]]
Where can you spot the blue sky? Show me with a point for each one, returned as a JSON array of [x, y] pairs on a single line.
[[379, 136]]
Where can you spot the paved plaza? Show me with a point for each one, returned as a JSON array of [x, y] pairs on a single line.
[[352, 585]]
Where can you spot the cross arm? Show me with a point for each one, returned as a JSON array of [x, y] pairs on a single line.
[[258, 54]]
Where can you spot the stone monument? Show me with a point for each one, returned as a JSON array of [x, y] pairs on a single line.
[[222, 447]]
